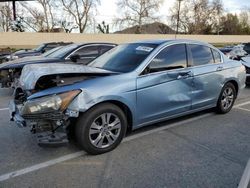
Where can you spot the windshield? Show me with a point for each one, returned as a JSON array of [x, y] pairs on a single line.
[[39, 48], [46, 54], [62, 52], [124, 58]]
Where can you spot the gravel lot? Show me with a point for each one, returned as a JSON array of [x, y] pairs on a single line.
[[201, 150]]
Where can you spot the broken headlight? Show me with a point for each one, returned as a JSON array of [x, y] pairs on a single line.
[[49, 104]]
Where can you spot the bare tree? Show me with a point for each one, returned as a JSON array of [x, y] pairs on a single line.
[[68, 26], [103, 28], [5, 17], [198, 16], [80, 10], [137, 12], [42, 20], [47, 6]]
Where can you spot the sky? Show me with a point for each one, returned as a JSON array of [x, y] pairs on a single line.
[[107, 10]]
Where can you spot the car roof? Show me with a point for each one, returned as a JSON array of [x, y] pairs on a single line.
[[165, 41], [90, 43]]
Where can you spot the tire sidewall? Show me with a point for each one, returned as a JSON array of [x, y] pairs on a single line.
[[220, 108], [84, 124]]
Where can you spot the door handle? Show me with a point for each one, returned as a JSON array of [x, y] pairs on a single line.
[[184, 74], [220, 68]]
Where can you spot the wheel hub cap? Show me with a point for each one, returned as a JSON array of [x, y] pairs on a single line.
[[105, 130], [227, 98]]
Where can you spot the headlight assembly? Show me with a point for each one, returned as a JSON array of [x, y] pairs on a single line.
[[49, 104]]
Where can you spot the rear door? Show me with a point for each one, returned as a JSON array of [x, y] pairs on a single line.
[[208, 75], [164, 88]]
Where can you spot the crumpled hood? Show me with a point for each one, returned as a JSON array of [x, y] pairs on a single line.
[[19, 63], [246, 61], [31, 73]]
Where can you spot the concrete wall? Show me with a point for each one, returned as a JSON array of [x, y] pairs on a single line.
[[26, 40]]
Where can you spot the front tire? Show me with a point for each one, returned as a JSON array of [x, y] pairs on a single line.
[[101, 129], [226, 99]]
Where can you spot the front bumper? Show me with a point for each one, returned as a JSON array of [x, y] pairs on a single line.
[[15, 114], [23, 120], [50, 127]]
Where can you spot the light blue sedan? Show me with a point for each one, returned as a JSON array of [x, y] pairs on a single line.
[[131, 86]]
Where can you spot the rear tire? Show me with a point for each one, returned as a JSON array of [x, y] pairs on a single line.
[[101, 129], [226, 99]]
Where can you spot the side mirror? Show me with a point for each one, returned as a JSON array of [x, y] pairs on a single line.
[[43, 51], [74, 58]]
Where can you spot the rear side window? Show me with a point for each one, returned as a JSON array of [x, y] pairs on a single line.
[[172, 57], [217, 56], [202, 55], [88, 51]]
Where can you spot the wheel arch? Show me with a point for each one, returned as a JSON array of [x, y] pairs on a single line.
[[236, 85], [124, 107]]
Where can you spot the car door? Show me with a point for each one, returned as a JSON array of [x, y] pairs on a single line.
[[164, 87], [208, 75]]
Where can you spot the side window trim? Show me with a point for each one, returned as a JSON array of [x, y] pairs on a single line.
[[213, 55], [160, 72], [68, 56], [189, 56], [221, 61]]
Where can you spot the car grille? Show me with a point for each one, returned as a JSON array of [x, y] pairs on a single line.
[[53, 116]]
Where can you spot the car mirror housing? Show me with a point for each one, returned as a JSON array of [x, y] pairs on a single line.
[[74, 58]]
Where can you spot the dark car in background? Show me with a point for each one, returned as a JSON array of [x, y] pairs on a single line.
[[74, 53], [4, 53], [246, 47], [36, 51], [246, 62], [226, 50]]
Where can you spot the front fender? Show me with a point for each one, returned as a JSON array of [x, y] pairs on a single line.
[[84, 101]]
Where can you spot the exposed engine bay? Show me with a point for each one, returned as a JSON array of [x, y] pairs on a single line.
[[49, 81]]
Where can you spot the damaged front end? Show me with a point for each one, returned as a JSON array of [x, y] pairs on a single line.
[[47, 113], [47, 116]]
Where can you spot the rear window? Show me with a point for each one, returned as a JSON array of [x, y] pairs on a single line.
[[201, 55]]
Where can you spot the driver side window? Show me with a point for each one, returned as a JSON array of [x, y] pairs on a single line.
[[172, 57]]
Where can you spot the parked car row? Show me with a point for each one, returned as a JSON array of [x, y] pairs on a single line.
[[99, 98], [240, 53], [73, 53], [36, 51]]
